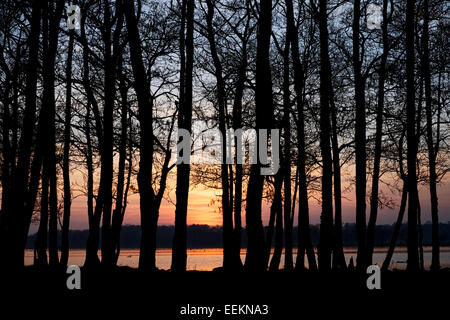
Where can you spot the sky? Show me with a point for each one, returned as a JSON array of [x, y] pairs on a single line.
[[204, 206]]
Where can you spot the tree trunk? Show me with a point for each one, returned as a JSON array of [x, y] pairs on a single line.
[[52, 17], [360, 140], [304, 234], [66, 164], [326, 219], [237, 124], [117, 213], [288, 259], [338, 252], [179, 255], [230, 256], [149, 220], [94, 215], [432, 151], [413, 257], [254, 260], [112, 51], [378, 140]]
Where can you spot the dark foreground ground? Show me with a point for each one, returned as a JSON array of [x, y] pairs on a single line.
[[128, 294]]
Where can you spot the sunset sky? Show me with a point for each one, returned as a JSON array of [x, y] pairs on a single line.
[[204, 208]]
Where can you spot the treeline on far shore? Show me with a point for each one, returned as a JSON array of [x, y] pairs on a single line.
[[204, 236]]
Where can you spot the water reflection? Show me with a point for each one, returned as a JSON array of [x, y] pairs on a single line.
[[208, 259]]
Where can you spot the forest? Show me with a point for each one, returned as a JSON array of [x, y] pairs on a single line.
[[94, 95]]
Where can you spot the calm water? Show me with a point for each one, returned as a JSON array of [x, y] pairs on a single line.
[[208, 259]]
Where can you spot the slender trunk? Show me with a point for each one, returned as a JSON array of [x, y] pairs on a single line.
[[237, 124], [94, 215], [413, 257], [304, 234], [111, 42], [179, 256], [338, 252], [326, 219], [432, 151], [90, 170], [378, 140], [288, 259], [360, 140], [66, 164], [254, 260], [230, 257], [117, 213], [52, 17], [149, 220]]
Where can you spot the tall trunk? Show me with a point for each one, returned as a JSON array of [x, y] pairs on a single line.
[[52, 17], [432, 151], [413, 257], [149, 220], [117, 213], [230, 256], [360, 140], [90, 171], [185, 122], [237, 124], [94, 214], [326, 219], [304, 234], [66, 164], [254, 260], [338, 252], [111, 42], [378, 139], [288, 259]]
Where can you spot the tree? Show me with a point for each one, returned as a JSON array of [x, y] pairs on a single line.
[[231, 258], [66, 156], [326, 219], [254, 260], [304, 237], [184, 122], [360, 139], [378, 134], [413, 257], [433, 146], [145, 106]]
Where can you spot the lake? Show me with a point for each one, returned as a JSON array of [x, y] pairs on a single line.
[[208, 259]]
